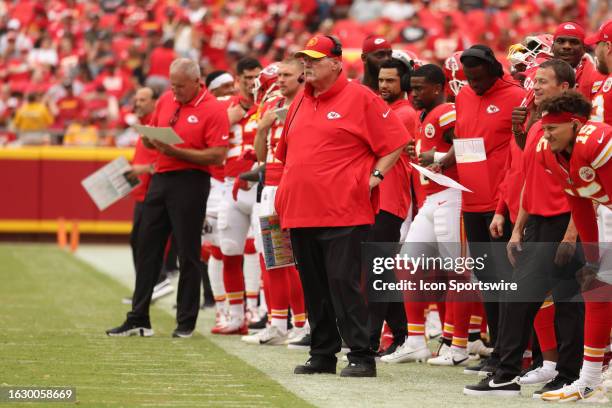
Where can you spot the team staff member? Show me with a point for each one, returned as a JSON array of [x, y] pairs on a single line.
[[578, 154], [484, 110], [374, 51], [395, 200], [176, 200], [339, 141], [543, 217]]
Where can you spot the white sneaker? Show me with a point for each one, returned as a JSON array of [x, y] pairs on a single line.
[[453, 358], [433, 325], [252, 315], [538, 375], [162, 289], [478, 348], [296, 333], [271, 336], [443, 350], [578, 391], [406, 353], [607, 378]]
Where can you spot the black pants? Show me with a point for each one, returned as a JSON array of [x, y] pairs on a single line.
[[328, 260], [386, 228], [497, 266], [136, 221], [176, 201], [536, 275]]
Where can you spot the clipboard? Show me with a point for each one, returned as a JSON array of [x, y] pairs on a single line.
[[165, 135]]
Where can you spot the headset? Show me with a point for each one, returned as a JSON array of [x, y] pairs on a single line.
[[409, 64], [301, 78], [337, 50]]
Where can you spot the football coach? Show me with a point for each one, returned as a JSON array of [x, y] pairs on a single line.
[[339, 141], [176, 199]]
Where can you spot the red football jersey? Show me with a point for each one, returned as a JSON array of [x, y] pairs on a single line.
[[587, 77], [543, 194], [602, 103], [242, 135], [586, 177], [274, 167], [431, 134]]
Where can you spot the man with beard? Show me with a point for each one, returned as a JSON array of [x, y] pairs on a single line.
[[374, 52]]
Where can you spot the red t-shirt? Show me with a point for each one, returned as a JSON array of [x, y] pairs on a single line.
[[241, 138], [586, 178], [329, 146], [430, 135], [274, 167], [69, 108], [395, 197], [488, 117], [542, 194], [602, 103], [201, 123], [142, 155]]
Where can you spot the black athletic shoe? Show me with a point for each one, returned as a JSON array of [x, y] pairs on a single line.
[[483, 368], [556, 384], [312, 367], [359, 370], [131, 329], [183, 334], [259, 325], [303, 343], [491, 385]]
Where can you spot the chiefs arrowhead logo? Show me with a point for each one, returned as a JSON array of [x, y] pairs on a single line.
[[430, 131], [607, 85], [569, 27], [492, 109], [333, 115], [192, 119], [586, 174], [379, 41], [312, 42]]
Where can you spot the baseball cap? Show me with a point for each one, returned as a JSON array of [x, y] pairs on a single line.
[[569, 29], [375, 43], [603, 34], [320, 46]]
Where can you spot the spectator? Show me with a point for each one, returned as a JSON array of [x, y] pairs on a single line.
[[159, 64], [32, 120], [82, 132]]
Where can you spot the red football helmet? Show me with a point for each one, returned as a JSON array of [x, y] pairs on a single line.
[[454, 73], [265, 83]]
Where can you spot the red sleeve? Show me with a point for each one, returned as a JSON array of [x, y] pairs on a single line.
[[217, 131], [502, 206], [383, 128], [585, 219]]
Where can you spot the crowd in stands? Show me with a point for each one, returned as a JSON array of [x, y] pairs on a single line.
[[69, 68]]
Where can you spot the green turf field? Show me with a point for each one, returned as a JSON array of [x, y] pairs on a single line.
[[53, 311]]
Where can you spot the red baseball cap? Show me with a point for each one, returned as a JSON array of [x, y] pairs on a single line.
[[603, 34], [374, 43], [321, 46], [569, 29]]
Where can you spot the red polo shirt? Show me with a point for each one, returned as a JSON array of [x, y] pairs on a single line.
[[543, 194], [487, 116], [329, 146], [201, 123]]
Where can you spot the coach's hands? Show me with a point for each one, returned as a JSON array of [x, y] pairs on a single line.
[[496, 229], [514, 247], [565, 252], [586, 275], [164, 148]]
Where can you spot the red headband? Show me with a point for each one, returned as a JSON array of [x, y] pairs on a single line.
[[560, 117]]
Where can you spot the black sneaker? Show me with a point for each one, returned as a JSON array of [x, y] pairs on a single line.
[[311, 367], [183, 334], [359, 370], [259, 325], [303, 343], [555, 384], [490, 385], [130, 329], [483, 368]]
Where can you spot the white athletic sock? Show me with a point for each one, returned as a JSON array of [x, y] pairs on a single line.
[[591, 372], [549, 365], [280, 324], [416, 342], [215, 274], [237, 312]]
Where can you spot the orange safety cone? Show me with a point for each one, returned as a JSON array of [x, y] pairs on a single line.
[[74, 236], [62, 234]]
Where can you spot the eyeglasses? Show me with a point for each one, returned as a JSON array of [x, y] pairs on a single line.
[[175, 117]]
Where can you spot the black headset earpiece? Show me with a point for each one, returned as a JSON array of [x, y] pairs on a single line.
[[405, 79], [301, 79], [337, 50]]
